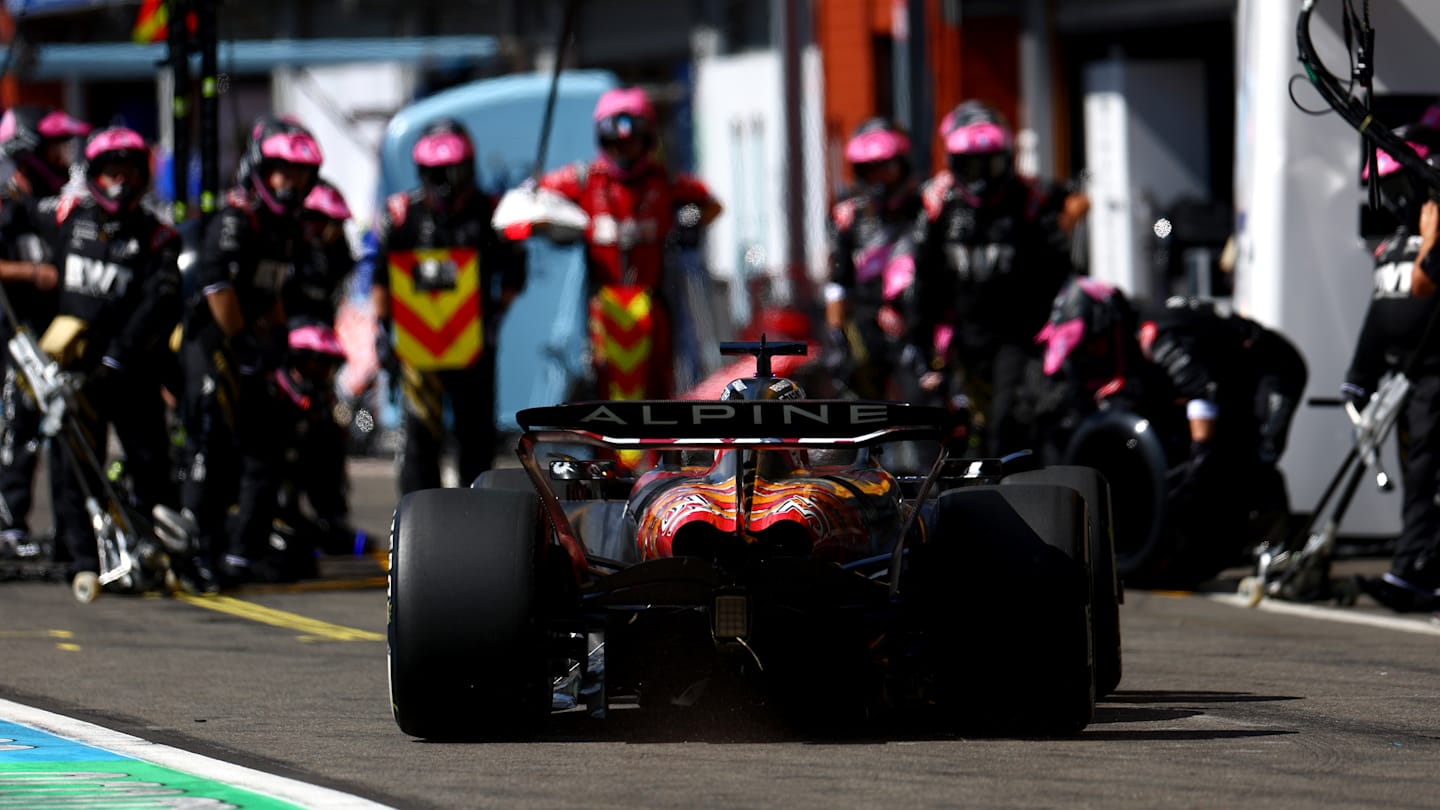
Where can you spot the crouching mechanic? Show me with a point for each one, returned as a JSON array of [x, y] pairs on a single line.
[[1233, 372], [1094, 363], [1241, 383], [436, 300], [234, 332], [119, 302], [312, 299], [313, 292], [301, 406]]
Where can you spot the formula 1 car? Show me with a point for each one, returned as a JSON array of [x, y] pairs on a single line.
[[770, 546]]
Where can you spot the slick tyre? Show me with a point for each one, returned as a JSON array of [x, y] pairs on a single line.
[[1105, 589], [1003, 587], [513, 479], [468, 659], [1125, 449]]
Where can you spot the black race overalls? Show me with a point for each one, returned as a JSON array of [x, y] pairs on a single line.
[[20, 429], [1204, 355], [118, 275], [233, 456], [315, 453], [1255, 378], [865, 242], [991, 272], [314, 291], [411, 225], [1391, 334]]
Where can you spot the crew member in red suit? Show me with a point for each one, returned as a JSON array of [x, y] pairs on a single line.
[[635, 205]]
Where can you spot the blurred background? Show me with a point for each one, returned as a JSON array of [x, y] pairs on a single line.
[[1208, 171]]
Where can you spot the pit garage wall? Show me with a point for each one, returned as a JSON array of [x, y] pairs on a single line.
[[1144, 142], [740, 140], [1302, 265]]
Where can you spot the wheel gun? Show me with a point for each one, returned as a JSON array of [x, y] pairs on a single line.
[[1374, 423], [53, 392], [41, 377]]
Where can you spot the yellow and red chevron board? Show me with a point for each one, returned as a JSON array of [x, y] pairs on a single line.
[[435, 305], [622, 332]]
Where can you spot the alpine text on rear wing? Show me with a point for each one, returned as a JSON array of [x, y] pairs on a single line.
[[720, 424]]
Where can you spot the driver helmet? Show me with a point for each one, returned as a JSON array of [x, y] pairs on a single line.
[[751, 389], [625, 130], [879, 154], [1089, 325], [980, 148], [279, 142], [769, 464], [27, 134], [104, 150], [445, 158]]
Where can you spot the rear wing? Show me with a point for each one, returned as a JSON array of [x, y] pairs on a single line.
[[718, 425], [712, 425]]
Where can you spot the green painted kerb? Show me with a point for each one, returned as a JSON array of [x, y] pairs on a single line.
[[120, 783], [40, 770]]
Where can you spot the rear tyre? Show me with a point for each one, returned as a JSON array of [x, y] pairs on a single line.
[[1105, 588], [514, 479], [468, 653], [1002, 594], [1125, 449]]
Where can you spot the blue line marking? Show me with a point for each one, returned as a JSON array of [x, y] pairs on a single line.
[[20, 744]]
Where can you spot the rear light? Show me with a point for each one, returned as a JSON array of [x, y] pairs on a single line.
[[730, 617]]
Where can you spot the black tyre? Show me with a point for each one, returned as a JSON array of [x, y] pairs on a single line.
[[1125, 449], [1105, 591], [1002, 590], [468, 658], [514, 479]]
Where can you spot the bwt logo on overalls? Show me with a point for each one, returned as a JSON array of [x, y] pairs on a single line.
[[96, 278], [980, 262], [1392, 280]]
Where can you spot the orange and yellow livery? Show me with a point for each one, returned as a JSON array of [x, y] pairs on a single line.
[[836, 508]]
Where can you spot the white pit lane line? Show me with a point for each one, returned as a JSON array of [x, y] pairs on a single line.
[[299, 793], [1420, 623]]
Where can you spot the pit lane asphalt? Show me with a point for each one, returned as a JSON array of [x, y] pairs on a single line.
[[1221, 706]]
